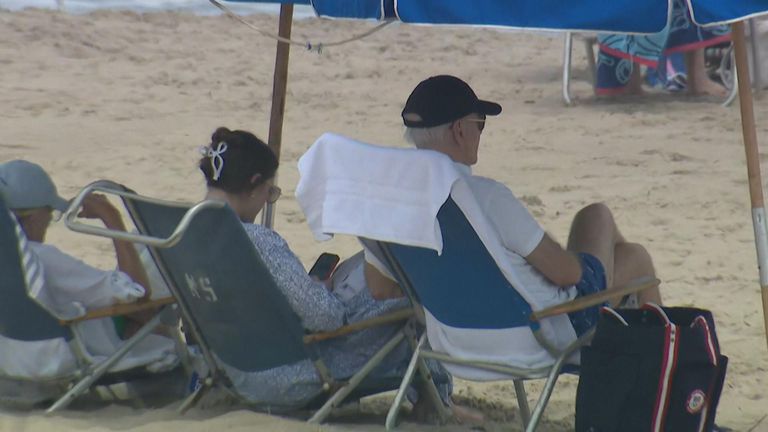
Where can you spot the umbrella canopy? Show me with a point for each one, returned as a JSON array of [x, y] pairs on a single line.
[[615, 16], [619, 16]]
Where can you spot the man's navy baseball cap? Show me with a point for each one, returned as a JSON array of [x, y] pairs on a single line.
[[443, 99]]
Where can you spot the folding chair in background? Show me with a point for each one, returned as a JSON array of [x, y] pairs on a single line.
[[464, 288], [23, 319], [229, 302]]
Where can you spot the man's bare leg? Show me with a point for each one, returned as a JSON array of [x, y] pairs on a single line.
[[632, 261], [633, 87], [635, 84], [698, 81], [594, 231]]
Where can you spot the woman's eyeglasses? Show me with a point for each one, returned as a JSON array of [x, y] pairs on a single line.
[[274, 194]]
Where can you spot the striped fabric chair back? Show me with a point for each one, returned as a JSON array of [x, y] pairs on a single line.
[[21, 318]]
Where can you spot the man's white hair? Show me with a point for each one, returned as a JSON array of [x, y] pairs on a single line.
[[427, 138]]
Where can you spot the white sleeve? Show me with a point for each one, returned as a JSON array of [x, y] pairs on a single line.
[[519, 231], [69, 280], [156, 282]]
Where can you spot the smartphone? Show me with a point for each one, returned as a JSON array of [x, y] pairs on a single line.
[[324, 266]]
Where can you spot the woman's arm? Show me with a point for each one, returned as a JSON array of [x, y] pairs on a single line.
[[317, 307]]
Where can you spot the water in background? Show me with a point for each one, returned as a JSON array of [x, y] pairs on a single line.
[[198, 7]]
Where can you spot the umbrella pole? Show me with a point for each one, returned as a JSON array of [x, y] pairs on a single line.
[[279, 85], [753, 161]]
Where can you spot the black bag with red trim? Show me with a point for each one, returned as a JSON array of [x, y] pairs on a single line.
[[651, 369]]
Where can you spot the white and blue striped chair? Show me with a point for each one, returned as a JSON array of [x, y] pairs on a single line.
[[23, 321]]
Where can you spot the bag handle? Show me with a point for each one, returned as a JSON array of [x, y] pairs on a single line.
[[700, 321], [609, 311]]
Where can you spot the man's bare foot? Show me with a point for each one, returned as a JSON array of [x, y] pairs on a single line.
[[634, 87], [706, 87], [425, 412]]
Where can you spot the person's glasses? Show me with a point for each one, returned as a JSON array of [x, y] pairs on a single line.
[[274, 194], [480, 122]]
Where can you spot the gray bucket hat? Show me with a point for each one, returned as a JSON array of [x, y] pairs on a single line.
[[25, 185]]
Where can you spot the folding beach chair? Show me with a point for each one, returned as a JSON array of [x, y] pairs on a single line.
[[415, 211], [24, 323], [229, 302], [464, 288]]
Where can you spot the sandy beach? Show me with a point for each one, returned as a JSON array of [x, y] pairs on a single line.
[[129, 97]]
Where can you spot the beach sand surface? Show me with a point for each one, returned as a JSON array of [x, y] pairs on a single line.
[[130, 97]]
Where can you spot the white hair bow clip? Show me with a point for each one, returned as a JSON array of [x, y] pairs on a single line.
[[217, 162]]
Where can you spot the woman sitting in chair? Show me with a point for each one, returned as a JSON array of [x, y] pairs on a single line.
[[239, 169]]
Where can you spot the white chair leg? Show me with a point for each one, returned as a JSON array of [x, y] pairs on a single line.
[[353, 382], [394, 410], [522, 402], [546, 392], [567, 45], [99, 370], [443, 412], [732, 77], [591, 62]]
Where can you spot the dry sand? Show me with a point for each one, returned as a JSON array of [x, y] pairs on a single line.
[[130, 97]]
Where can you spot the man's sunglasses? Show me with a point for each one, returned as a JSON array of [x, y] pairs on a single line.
[[480, 122]]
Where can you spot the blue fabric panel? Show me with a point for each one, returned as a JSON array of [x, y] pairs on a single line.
[[360, 9], [716, 11], [463, 287], [647, 16], [223, 286], [21, 318]]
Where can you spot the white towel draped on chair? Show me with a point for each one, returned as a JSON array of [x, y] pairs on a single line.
[[341, 195]]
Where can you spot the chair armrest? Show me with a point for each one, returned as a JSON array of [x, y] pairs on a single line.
[[120, 309], [112, 188], [399, 315], [632, 287]]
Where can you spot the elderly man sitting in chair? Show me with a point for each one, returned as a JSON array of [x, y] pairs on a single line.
[[444, 114]]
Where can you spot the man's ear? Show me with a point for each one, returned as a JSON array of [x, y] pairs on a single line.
[[457, 131]]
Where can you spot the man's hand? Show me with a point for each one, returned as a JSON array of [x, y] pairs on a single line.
[[97, 206], [560, 266]]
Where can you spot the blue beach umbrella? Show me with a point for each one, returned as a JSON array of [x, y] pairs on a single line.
[[613, 16]]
